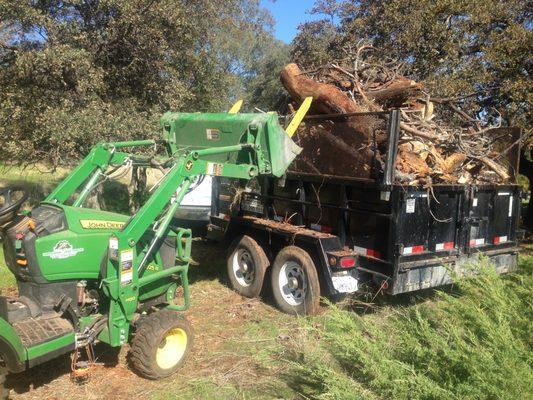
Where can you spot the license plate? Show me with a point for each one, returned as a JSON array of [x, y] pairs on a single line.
[[345, 284]]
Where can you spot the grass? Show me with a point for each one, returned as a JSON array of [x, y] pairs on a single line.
[[473, 343], [37, 182], [6, 277]]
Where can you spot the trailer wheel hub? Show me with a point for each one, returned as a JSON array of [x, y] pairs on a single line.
[[243, 267], [292, 283]]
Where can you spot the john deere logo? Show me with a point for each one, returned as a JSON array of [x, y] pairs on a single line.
[[63, 249], [188, 165], [99, 224]]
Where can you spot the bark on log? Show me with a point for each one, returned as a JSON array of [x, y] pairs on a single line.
[[496, 168], [327, 99], [396, 93]]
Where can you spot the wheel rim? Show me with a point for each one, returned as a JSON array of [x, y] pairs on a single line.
[[243, 267], [292, 283], [172, 348]]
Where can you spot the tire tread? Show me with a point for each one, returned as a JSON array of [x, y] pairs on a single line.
[[311, 305], [147, 339]]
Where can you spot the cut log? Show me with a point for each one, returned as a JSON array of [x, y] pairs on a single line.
[[327, 99], [502, 173], [453, 162], [397, 93]]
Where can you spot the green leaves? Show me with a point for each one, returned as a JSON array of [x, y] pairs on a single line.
[[75, 72], [454, 46]]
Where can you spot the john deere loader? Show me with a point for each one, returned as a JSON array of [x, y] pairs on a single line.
[[86, 276]]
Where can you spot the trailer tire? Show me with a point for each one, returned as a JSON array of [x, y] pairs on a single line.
[[295, 284], [161, 344], [247, 264]]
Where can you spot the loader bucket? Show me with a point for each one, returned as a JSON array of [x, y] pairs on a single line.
[[198, 131]]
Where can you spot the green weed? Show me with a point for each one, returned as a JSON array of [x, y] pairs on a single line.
[[6, 277], [472, 344]]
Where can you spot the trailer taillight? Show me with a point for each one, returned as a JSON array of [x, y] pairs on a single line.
[[342, 259], [347, 262]]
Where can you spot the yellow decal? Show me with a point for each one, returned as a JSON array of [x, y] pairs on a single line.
[[130, 299], [214, 169], [98, 224]]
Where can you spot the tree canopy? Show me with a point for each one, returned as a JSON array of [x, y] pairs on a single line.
[[455, 47], [76, 72]]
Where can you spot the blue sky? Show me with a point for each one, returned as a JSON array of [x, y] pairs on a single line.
[[288, 15]]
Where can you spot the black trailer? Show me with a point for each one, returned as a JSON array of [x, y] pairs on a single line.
[[326, 235]]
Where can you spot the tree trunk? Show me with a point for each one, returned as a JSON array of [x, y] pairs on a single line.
[[327, 99], [137, 188]]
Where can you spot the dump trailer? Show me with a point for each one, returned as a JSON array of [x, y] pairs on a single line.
[[324, 235]]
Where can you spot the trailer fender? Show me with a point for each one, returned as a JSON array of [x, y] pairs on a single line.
[[11, 349]]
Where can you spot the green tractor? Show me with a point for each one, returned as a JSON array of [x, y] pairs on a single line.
[[86, 275]]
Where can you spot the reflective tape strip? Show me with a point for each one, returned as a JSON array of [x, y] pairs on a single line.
[[413, 249], [367, 252], [444, 246], [321, 228], [476, 242], [500, 239]]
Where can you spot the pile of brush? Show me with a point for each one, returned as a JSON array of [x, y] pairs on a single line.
[[429, 151]]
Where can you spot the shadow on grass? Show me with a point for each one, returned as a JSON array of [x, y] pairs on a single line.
[[210, 263], [48, 372]]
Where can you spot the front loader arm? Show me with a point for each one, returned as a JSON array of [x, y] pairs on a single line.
[[92, 168], [126, 267]]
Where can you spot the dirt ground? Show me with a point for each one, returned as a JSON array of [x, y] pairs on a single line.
[[234, 353]]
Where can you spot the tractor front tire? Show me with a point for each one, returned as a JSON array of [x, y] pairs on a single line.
[[4, 392], [161, 344]]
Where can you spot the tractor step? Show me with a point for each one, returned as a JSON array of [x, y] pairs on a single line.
[[34, 331]]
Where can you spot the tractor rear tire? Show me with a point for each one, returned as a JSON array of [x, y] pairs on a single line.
[[161, 344], [247, 265], [295, 283], [4, 392]]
